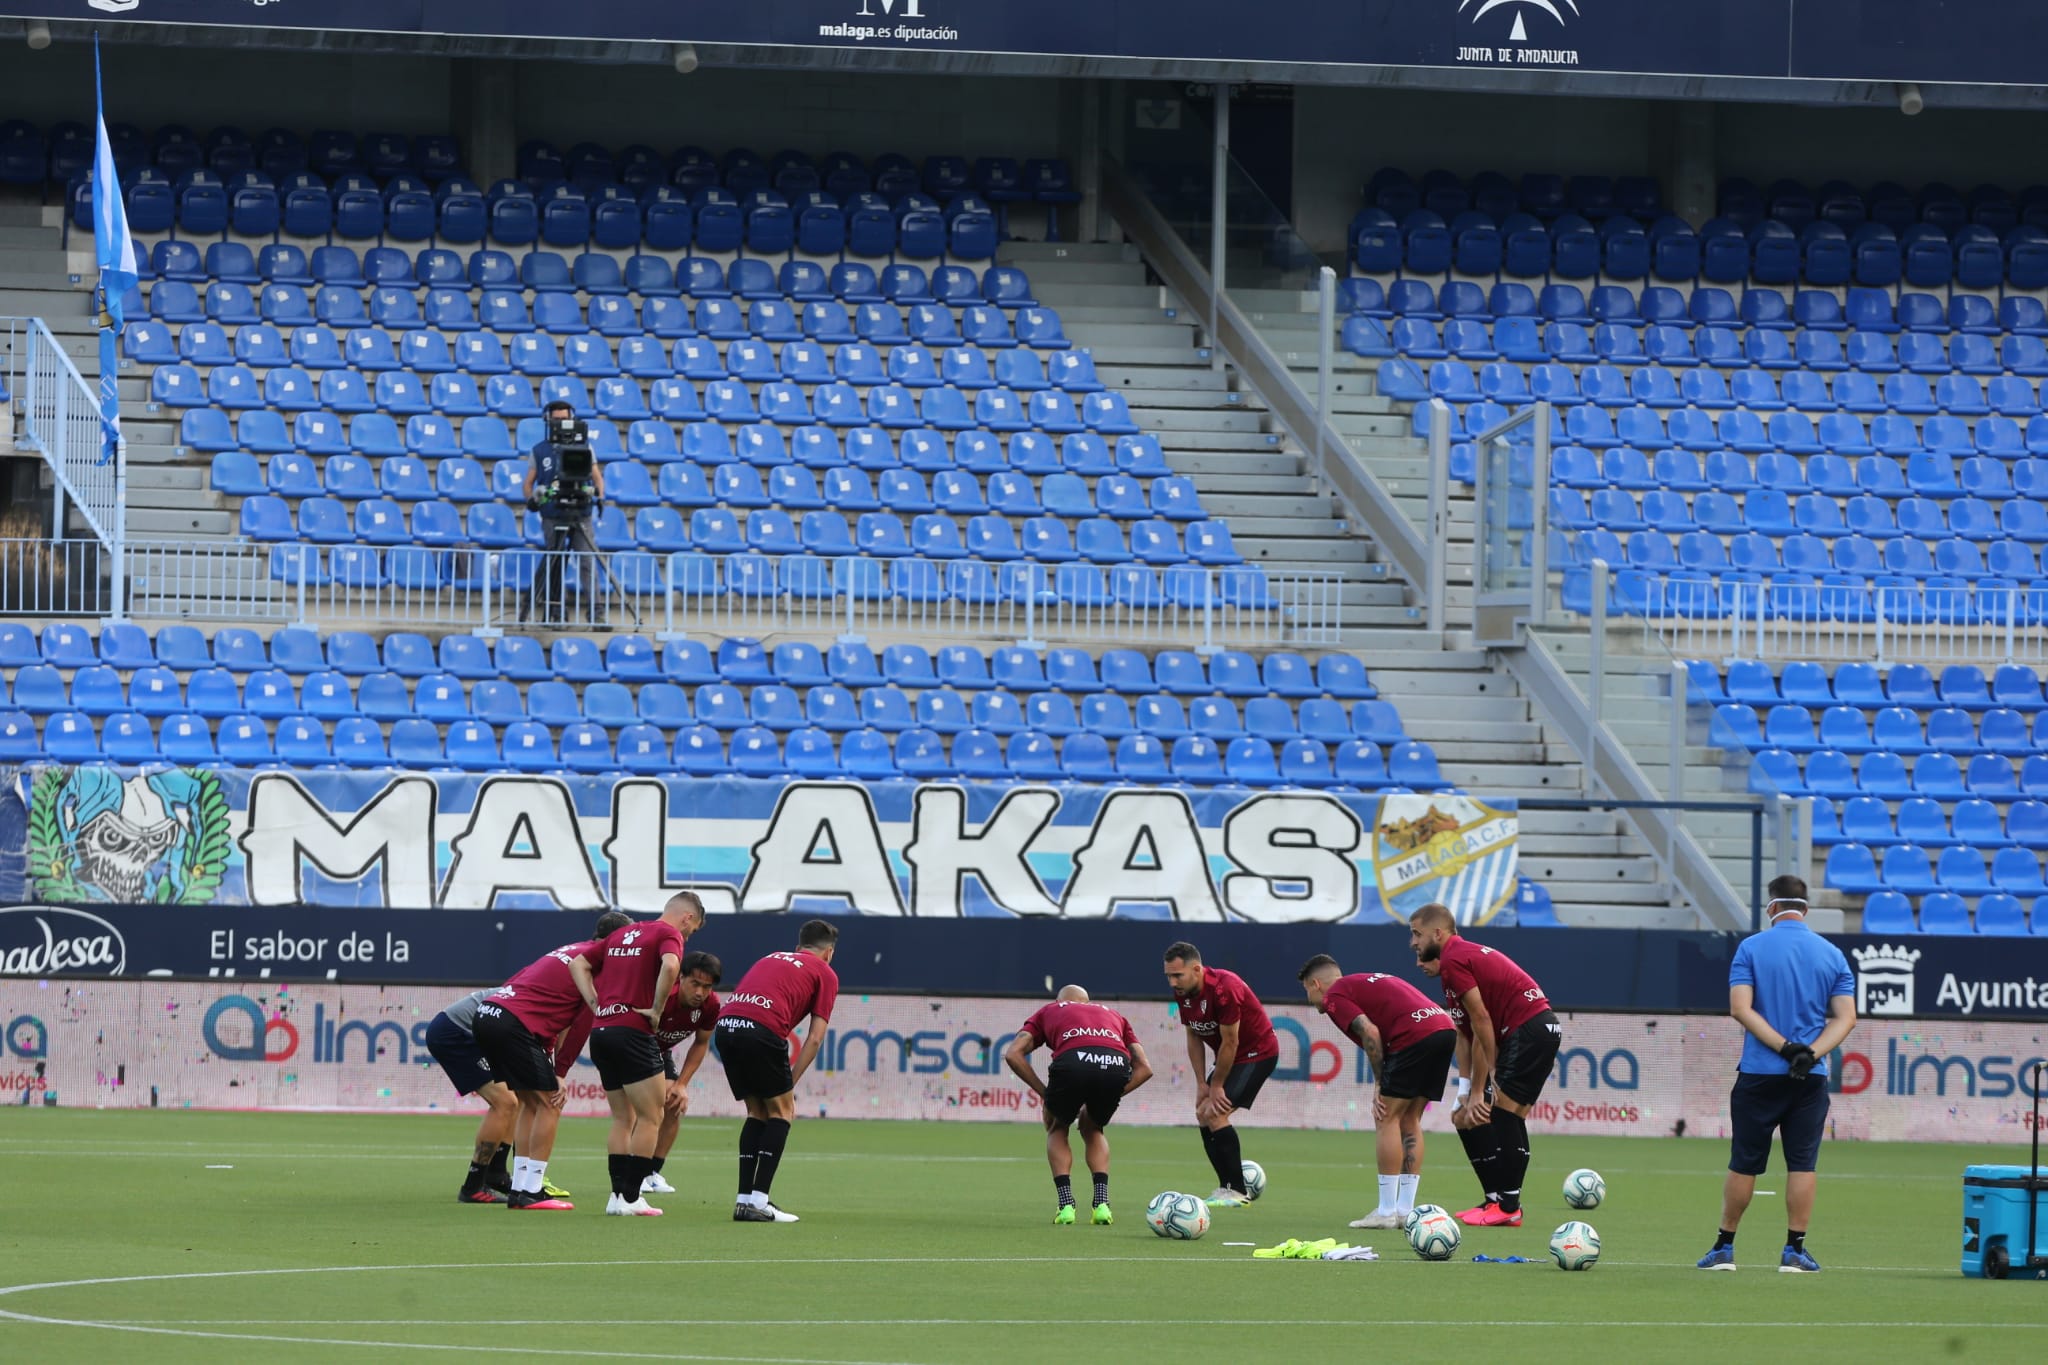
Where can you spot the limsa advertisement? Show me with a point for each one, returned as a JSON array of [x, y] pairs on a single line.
[[259, 1045]]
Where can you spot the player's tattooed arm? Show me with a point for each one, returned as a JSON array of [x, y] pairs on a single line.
[[1369, 1038], [1017, 1056]]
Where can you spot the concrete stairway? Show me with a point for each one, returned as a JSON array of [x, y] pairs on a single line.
[[1636, 705], [1454, 697], [1147, 345], [41, 277], [1596, 869]]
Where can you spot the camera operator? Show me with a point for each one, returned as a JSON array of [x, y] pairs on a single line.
[[566, 486]]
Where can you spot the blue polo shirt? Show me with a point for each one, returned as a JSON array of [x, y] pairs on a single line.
[[1794, 972]]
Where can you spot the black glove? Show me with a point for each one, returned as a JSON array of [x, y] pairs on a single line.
[[533, 504], [1800, 1059]]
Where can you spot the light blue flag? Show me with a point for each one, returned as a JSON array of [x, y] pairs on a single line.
[[114, 249]]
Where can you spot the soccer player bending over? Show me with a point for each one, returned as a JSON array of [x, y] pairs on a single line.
[[451, 1038], [1507, 1041], [1221, 1014], [638, 969], [1410, 1043], [1096, 1061], [692, 1010], [754, 1026], [529, 1031]]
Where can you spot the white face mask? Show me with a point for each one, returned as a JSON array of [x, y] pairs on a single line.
[[1793, 906]]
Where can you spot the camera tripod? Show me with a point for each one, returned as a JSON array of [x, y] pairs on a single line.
[[550, 588]]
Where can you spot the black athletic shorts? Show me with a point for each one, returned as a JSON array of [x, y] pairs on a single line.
[[1522, 1067], [517, 1055], [1086, 1078], [668, 1062], [756, 1061], [1246, 1079], [454, 1047], [624, 1055], [1421, 1069], [1761, 1105]]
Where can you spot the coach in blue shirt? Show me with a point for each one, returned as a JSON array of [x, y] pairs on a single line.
[[1791, 989]]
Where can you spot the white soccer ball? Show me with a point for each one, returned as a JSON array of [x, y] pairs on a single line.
[[1179, 1217], [1584, 1189], [1254, 1179], [1575, 1246], [1435, 1237], [1422, 1211]]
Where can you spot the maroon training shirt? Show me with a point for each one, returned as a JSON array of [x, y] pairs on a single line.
[[632, 965], [1511, 996], [781, 989], [1066, 1025], [1225, 999], [543, 996], [679, 1023], [1402, 1015]]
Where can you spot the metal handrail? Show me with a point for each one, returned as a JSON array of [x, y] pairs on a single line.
[[479, 588], [1364, 498], [61, 422]]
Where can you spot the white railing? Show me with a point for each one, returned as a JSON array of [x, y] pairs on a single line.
[[54, 578], [60, 419], [492, 590], [1984, 623]]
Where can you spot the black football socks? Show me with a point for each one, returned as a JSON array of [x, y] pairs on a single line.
[[774, 1137], [1101, 1186], [1511, 1157], [750, 1151], [1065, 1185], [1482, 1150], [1226, 1156]]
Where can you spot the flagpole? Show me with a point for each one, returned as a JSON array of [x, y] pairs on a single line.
[[114, 253]]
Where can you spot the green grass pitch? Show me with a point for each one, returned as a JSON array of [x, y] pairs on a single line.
[[211, 1237]]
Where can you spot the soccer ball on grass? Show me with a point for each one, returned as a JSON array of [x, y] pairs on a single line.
[[1575, 1246], [1435, 1237], [1179, 1217], [1584, 1189], [1422, 1211], [1254, 1179]]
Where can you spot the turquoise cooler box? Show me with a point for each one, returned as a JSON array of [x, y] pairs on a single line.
[[1996, 1222]]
